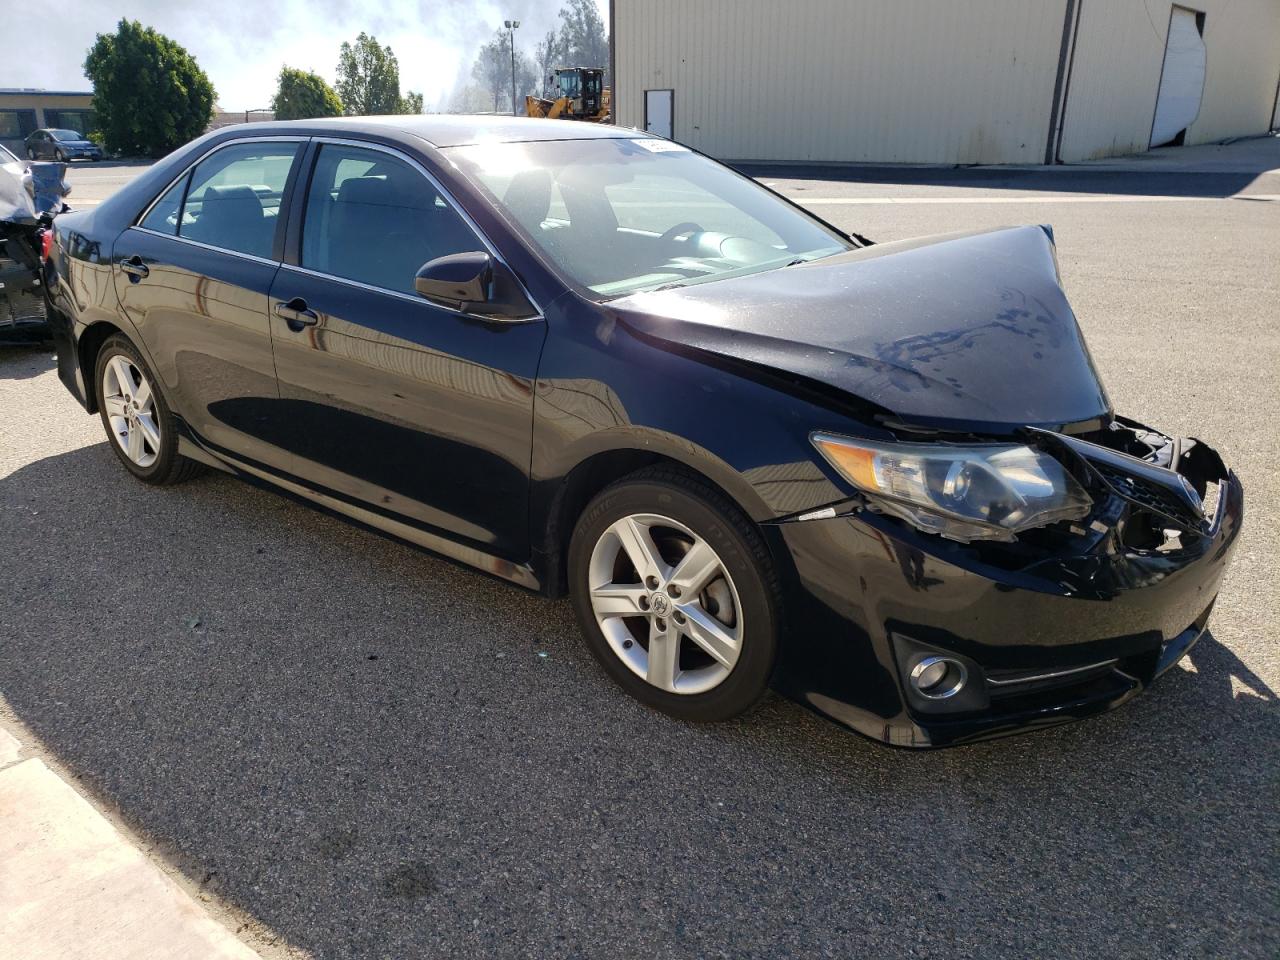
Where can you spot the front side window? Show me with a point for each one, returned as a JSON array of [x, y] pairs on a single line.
[[373, 218], [619, 215], [234, 198]]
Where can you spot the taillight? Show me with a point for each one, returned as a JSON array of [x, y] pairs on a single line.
[[46, 244]]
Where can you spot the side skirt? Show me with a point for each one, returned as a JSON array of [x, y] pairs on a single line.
[[521, 574]]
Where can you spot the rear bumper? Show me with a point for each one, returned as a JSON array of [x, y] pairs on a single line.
[[1056, 639]]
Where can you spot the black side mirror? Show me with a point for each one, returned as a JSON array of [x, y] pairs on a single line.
[[458, 281], [473, 283]]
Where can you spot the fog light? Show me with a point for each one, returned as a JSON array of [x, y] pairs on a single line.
[[938, 677]]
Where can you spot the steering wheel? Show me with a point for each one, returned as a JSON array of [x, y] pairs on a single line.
[[679, 230]]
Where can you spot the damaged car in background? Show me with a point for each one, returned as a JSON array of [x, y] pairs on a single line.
[[31, 195], [882, 479]]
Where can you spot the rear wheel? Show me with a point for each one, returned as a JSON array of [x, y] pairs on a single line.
[[142, 429], [676, 596], [31, 154]]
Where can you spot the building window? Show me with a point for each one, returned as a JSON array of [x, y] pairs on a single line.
[[17, 124], [81, 121]]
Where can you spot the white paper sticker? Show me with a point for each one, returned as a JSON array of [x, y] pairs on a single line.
[[660, 146]]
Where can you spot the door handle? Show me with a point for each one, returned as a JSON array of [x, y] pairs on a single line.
[[135, 268], [296, 313]]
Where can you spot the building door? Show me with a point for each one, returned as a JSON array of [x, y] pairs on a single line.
[[659, 108], [1182, 79]]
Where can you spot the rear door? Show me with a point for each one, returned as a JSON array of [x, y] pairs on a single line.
[[413, 409], [194, 274]]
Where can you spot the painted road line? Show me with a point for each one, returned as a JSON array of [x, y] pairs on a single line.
[[1069, 198]]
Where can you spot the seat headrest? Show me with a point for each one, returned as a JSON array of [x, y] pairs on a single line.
[[528, 197], [375, 190]]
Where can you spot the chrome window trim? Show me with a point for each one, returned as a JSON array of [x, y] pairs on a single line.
[[195, 163], [452, 203], [209, 246]]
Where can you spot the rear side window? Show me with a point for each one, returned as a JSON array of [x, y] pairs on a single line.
[[163, 217], [234, 198], [373, 218]]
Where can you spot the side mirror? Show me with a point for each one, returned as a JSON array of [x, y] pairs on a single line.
[[458, 281], [474, 284]]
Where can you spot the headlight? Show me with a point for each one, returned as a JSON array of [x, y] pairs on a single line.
[[986, 492]]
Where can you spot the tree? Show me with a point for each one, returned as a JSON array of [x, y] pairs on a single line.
[[302, 95], [492, 69], [369, 79], [412, 103], [583, 41], [546, 57], [149, 94]]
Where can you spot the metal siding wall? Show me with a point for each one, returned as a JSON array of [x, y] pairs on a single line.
[[919, 81], [911, 81], [1243, 40], [1116, 76]]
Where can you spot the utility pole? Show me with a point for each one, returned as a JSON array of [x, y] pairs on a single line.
[[511, 26]]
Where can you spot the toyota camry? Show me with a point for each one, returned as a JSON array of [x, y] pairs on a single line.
[[882, 479]]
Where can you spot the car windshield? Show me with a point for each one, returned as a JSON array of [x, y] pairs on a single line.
[[6, 156], [624, 215], [66, 135]]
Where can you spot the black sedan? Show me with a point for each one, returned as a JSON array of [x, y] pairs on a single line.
[[63, 145], [754, 451]]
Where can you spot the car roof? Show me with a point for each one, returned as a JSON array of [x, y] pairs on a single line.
[[453, 130]]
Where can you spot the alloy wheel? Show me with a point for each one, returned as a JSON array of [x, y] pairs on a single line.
[[131, 410], [665, 603]]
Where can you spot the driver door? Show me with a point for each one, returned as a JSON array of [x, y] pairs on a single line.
[[408, 408]]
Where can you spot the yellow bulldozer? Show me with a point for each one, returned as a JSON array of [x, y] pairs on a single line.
[[582, 95]]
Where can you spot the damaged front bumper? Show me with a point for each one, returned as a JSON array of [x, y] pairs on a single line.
[[1069, 621], [29, 200]]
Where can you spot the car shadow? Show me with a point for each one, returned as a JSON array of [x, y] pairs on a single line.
[[371, 751], [21, 361]]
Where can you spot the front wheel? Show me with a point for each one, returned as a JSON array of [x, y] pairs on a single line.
[[136, 417], [676, 595]]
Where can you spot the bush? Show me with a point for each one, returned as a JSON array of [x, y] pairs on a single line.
[[150, 96]]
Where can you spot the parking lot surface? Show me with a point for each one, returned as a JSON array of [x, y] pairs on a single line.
[[351, 749]]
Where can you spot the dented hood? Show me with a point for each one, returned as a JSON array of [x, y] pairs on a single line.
[[961, 331]]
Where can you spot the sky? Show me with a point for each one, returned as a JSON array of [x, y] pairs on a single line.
[[242, 46]]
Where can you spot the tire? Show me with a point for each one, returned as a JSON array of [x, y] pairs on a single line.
[[59, 156], [31, 154], [737, 600], [159, 462]]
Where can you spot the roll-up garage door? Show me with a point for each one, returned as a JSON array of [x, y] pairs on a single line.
[[1182, 81]]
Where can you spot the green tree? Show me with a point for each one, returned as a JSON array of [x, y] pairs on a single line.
[[149, 94], [546, 57], [369, 80], [492, 69], [302, 95], [583, 40], [412, 103]]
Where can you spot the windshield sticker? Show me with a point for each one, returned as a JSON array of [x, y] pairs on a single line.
[[661, 146]]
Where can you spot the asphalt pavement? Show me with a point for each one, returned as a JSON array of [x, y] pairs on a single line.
[[346, 748]]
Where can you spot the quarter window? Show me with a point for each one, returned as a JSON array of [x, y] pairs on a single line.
[[373, 218], [235, 194]]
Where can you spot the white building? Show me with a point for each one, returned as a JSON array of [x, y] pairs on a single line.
[[945, 81]]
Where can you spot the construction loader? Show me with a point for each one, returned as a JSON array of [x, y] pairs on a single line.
[[581, 95]]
